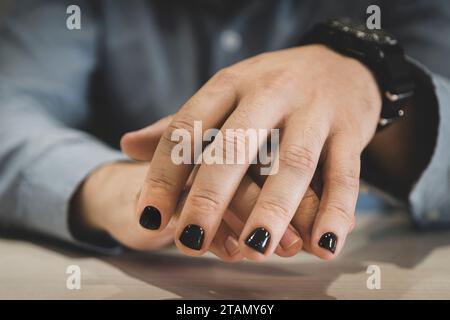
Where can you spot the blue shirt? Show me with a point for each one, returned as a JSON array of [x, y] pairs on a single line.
[[66, 96]]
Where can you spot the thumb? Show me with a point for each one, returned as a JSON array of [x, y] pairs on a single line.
[[141, 144]]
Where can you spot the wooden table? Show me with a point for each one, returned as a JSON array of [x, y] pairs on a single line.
[[413, 264]]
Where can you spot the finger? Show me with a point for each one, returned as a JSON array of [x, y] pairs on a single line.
[[225, 244], [217, 181], [287, 246], [233, 221], [255, 172], [304, 217], [235, 217], [336, 214], [242, 205], [240, 208], [141, 144], [282, 192], [165, 178]]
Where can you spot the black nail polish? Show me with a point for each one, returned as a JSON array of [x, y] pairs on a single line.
[[192, 237], [258, 240], [328, 241], [150, 218]]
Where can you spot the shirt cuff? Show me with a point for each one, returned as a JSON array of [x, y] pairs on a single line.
[[50, 183], [429, 199]]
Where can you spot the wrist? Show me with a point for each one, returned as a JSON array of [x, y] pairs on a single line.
[[84, 214], [370, 93], [354, 79]]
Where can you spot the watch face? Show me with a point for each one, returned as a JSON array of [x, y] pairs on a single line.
[[377, 36]]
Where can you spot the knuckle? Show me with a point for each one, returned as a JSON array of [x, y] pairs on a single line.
[[345, 178], [244, 118], [276, 208], [234, 141], [338, 208], [234, 137], [279, 80], [183, 123], [301, 158], [160, 184], [205, 200], [225, 77]]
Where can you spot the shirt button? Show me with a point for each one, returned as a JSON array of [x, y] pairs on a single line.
[[230, 41]]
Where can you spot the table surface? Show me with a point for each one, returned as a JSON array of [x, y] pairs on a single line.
[[413, 265]]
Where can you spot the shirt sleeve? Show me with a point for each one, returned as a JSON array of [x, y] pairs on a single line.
[[45, 70], [430, 197], [423, 27]]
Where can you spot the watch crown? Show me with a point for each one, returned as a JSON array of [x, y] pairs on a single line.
[[396, 96]]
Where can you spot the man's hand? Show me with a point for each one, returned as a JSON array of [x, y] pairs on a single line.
[[107, 201], [327, 107]]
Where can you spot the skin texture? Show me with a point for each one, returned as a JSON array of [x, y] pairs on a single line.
[[327, 107], [112, 210]]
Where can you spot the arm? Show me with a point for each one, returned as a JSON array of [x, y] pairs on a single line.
[[44, 80], [56, 179]]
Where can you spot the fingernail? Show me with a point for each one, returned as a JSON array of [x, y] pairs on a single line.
[[328, 241], [192, 237], [289, 239], [150, 218], [232, 246], [258, 240]]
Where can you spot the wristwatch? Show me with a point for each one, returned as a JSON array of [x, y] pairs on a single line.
[[380, 52]]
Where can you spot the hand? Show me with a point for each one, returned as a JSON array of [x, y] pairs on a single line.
[[140, 145], [112, 209], [106, 202], [327, 107]]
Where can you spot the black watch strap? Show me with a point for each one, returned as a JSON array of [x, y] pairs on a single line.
[[380, 52]]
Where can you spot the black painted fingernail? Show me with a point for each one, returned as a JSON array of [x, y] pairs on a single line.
[[150, 218], [258, 240], [328, 241], [192, 236]]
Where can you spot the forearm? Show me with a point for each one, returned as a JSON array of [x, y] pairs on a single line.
[[43, 103]]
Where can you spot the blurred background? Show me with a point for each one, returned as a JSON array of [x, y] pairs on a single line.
[[3, 5]]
